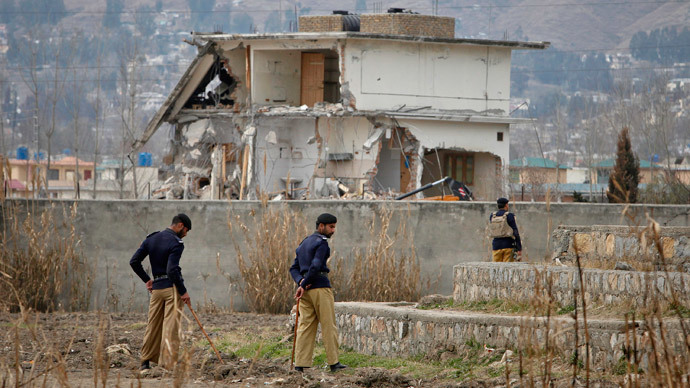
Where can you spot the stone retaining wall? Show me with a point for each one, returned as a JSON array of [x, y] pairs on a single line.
[[483, 281], [634, 245], [403, 331]]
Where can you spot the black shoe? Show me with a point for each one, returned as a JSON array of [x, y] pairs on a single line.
[[337, 366], [301, 368], [145, 366]]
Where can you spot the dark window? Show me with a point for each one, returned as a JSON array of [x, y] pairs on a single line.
[[87, 174], [499, 136], [53, 174]]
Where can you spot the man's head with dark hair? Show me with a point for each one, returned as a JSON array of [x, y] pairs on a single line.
[[325, 224], [502, 203], [181, 224]]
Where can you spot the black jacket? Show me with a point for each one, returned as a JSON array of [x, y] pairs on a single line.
[[164, 250], [310, 262]]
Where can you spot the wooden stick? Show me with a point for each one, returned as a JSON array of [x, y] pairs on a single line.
[[204, 331], [294, 338], [245, 160]]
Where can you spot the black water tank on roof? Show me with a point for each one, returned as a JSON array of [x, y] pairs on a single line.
[[396, 10], [340, 12], [351, 23]]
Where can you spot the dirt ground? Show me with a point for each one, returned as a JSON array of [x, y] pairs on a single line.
[[60, 348]]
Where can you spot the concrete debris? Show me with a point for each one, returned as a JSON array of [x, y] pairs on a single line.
[[197, 130], [118, 348], [271, 138], [319, 109], [372, 139]]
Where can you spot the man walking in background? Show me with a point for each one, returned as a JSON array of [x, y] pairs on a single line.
[[504, 231], [168, 293], [316, 303]]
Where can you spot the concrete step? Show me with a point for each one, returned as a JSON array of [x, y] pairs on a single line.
[[401, 330], [521, 282]]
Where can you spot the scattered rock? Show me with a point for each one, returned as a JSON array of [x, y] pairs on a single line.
[[118, 348], [623, 266], [433, 299]]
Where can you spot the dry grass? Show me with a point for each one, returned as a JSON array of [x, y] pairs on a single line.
[[265, 254], [41, 264], [652, 355], [387, 270]]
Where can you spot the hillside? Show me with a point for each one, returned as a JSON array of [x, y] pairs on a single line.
[[571, 25]]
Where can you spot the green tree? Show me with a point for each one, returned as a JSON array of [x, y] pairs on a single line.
[[625, 177]]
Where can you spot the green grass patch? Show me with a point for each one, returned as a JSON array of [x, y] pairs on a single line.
[[566, 310]]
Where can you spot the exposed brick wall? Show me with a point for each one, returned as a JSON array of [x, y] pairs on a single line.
[[323, 23], [385, 23], [408, 24]]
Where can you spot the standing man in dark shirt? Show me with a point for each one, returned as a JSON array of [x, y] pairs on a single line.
[[504, 231], [168, 293], [315, 295]]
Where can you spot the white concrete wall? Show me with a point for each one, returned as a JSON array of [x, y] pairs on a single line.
[[348, 135], [477, 137], [388, 74], [276, 77], [291, 154], [576, 175]]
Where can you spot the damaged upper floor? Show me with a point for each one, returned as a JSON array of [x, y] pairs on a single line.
[[368, 71]]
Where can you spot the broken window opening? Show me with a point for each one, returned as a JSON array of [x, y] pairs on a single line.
[[458, 165], [202, 182], [216, 88], [396, 166]]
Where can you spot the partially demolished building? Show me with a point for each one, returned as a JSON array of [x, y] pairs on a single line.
[[370, 105]]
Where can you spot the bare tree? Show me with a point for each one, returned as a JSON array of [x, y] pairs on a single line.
[[76, 115], [55, 94], [130, 80], [29, 74], [99, 117]]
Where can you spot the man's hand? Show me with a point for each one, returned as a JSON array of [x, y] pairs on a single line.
[[185, 298], [519, 255], [149, 285], [299, 293]]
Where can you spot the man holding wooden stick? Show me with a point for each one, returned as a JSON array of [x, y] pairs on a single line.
[[315, 297], [168, 293]]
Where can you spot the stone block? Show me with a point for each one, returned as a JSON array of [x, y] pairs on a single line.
[[668, 247], [583, 242]]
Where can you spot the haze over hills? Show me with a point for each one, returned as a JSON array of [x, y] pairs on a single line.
[[568, 24]]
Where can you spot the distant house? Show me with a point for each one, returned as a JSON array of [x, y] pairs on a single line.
[[31, 178], [537, 171], [603, 169]]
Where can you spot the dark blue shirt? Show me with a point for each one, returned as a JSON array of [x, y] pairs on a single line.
[[310, 262], [164, 250], [507, 242]]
